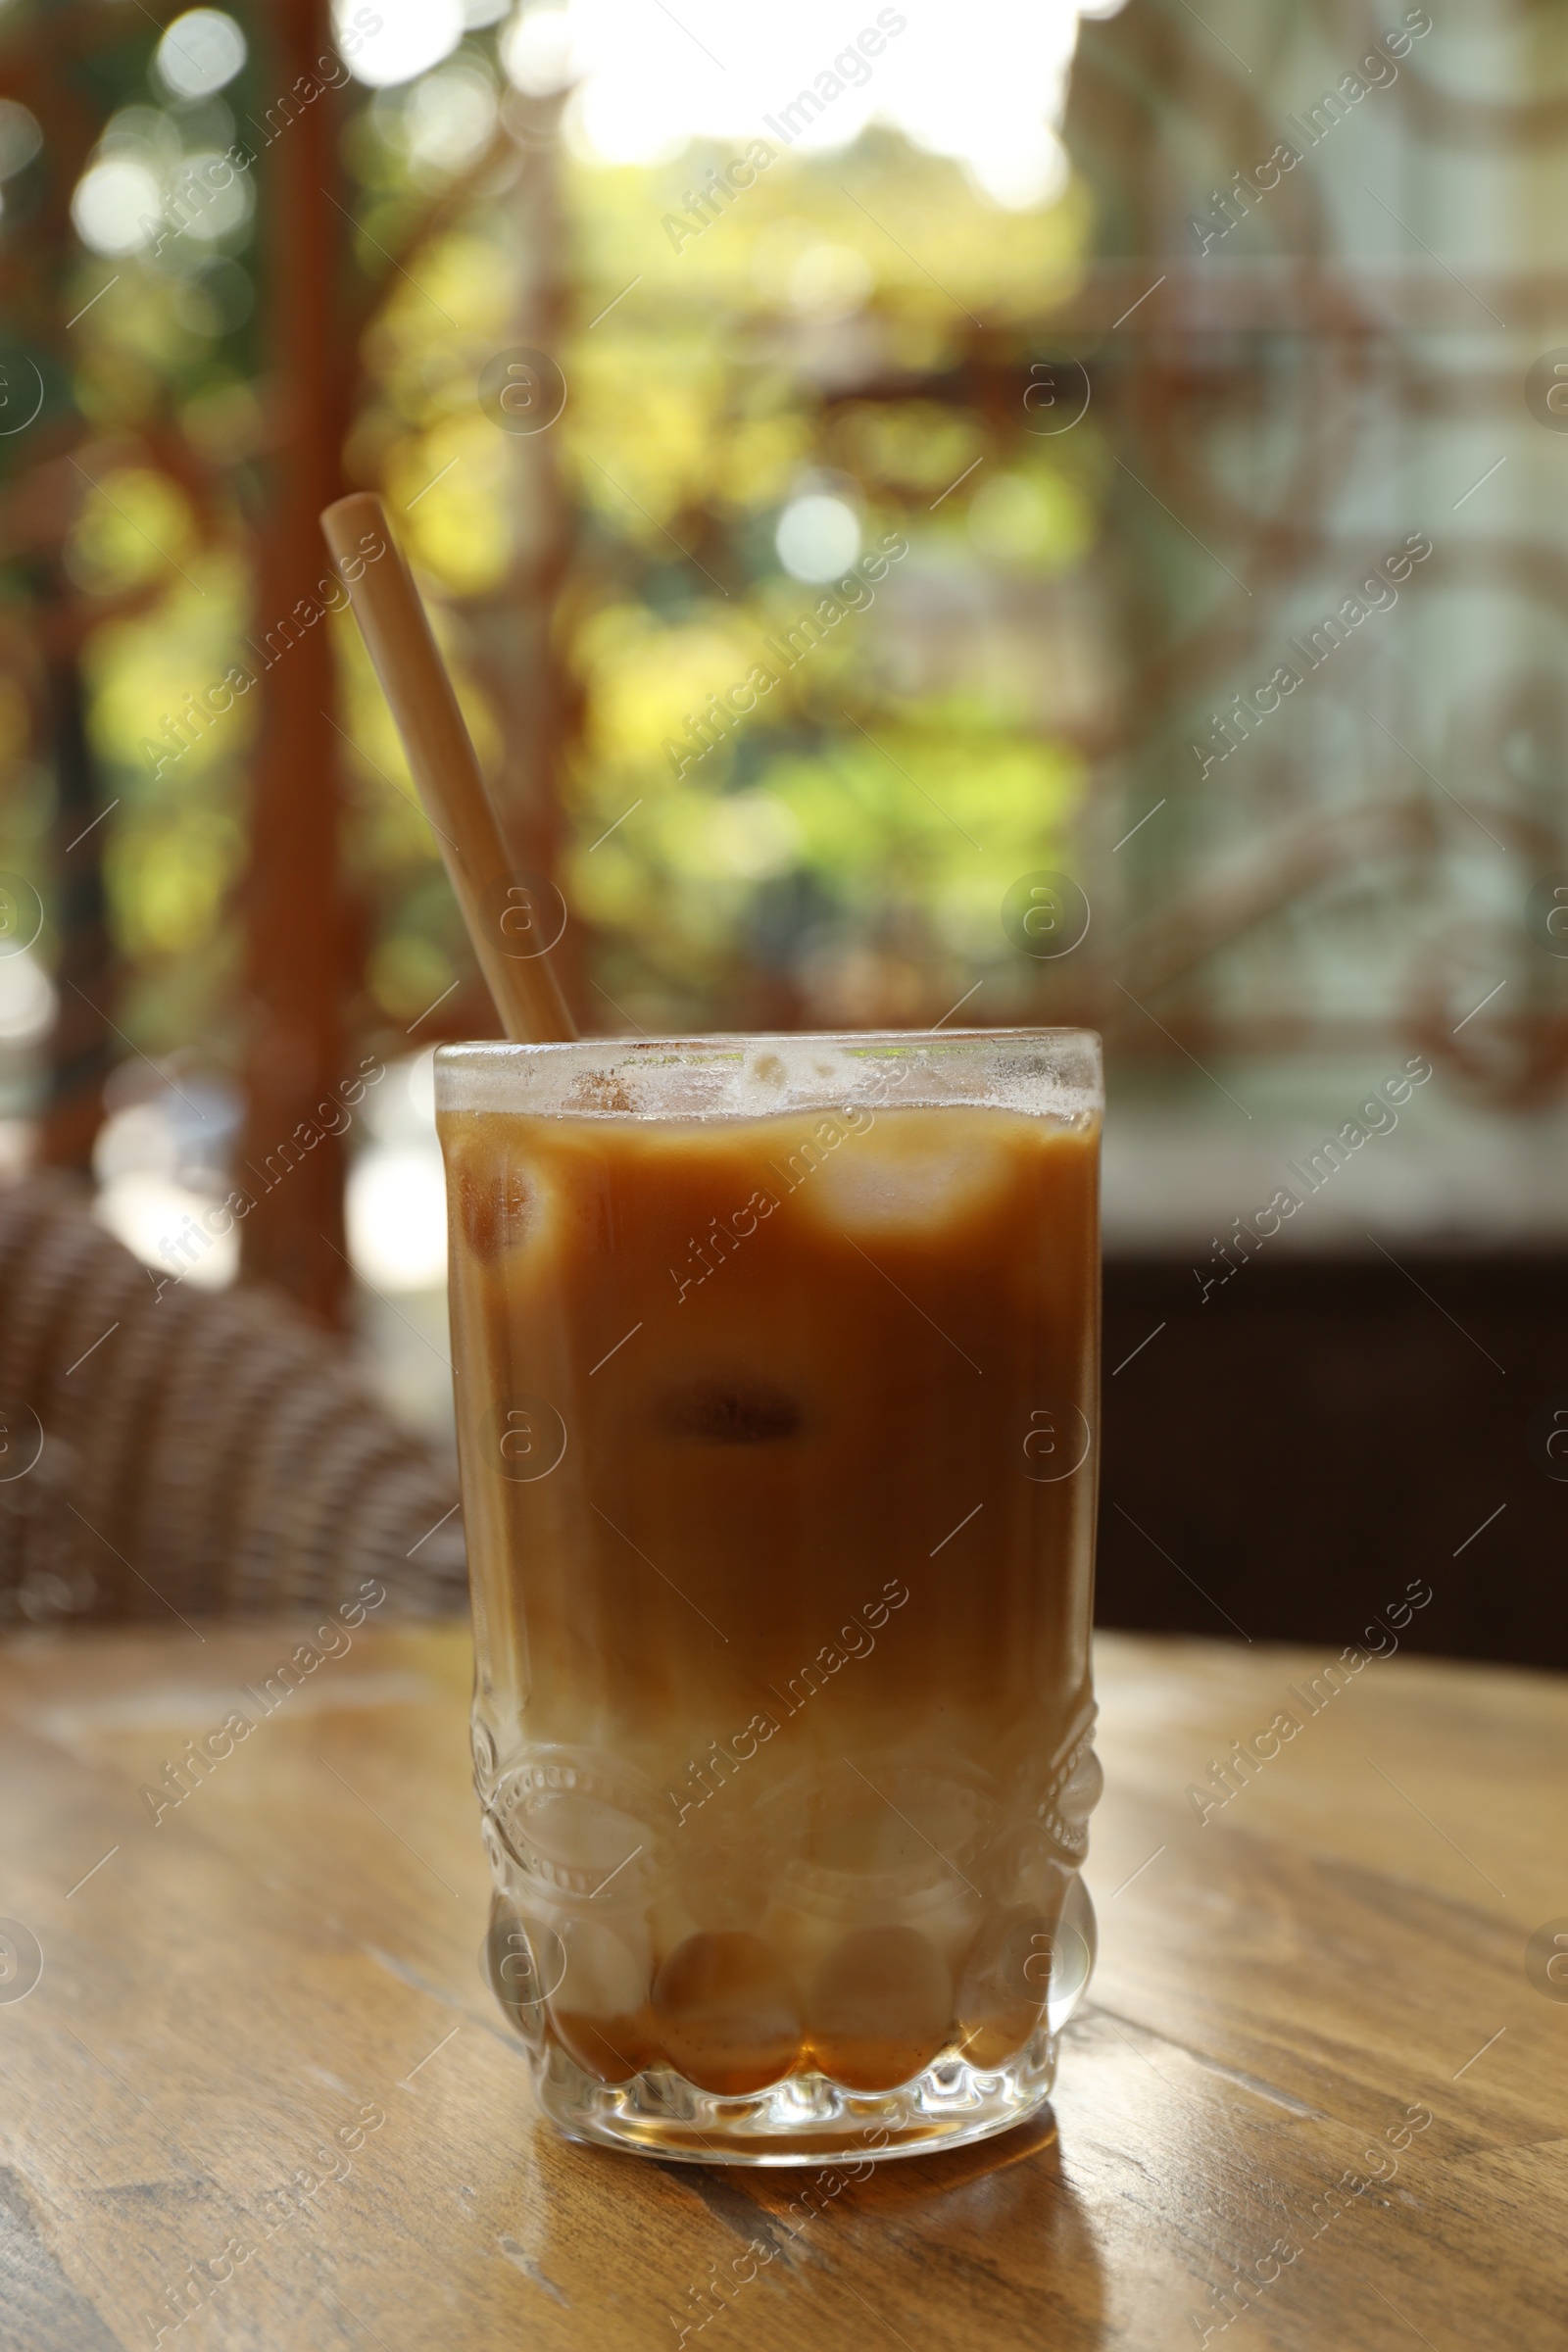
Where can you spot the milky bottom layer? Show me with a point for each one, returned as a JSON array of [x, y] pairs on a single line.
[[856, 1923]]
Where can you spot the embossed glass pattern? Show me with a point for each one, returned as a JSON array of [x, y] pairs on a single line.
[[776, 1368]]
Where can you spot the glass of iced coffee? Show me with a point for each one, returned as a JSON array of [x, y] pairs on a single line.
[[776, 1366]]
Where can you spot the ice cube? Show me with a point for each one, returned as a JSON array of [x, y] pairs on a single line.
[[897, 1173], [500, 1204], [600, 2007], [602, 1974], [727, 2012], [880, 2008], [1004, 1985], [525, 1961], [732, 1408]]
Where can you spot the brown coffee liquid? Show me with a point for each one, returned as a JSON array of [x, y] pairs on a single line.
[[779, 1502]]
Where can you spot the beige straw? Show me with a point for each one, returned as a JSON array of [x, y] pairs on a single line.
[[507, 914]]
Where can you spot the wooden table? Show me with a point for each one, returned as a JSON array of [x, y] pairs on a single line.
[[287, 1963]]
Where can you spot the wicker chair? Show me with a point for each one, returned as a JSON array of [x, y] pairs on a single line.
[[212, 1454]]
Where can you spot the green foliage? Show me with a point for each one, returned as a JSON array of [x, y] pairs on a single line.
[[821, 332]]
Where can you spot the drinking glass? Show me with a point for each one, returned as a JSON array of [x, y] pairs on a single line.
[[776, 1364]]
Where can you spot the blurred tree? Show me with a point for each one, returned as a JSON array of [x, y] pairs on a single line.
[[801, 416]]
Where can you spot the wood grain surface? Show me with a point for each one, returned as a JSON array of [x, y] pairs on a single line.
[[1315, 2099]]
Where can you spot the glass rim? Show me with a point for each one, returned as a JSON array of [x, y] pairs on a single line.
[[739, 1040], [1048, 1072]]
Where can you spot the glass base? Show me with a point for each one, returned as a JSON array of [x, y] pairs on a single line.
[[805, 2119]]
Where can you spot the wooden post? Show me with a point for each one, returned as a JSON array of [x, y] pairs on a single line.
[[82, 1050], [299, 933]]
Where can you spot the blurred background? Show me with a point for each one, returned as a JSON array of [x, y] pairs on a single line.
[[1196, 377]]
